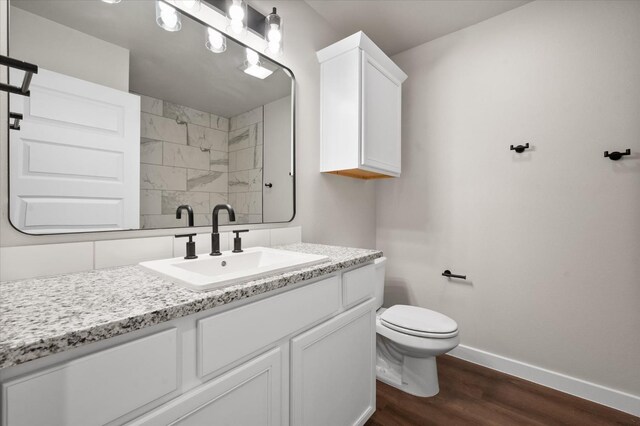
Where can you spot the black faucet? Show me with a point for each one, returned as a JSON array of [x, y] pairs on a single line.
[[215, 236], [189, 210]]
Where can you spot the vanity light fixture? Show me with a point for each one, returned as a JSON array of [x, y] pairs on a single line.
[[237, 16], [273, 33], [216, 42], [167, 17], [112, 1], [253, 66]]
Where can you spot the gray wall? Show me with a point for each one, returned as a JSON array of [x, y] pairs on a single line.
[[550, 239], [67, 51]]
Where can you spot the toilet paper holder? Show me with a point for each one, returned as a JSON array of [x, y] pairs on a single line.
[[447, 273]]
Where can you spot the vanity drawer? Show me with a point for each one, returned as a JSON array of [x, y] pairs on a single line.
[[358, 285], [232, 335], [95, 389]]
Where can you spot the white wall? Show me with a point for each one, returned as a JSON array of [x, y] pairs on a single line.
[[62, 49], [331, 209], [550, 239]]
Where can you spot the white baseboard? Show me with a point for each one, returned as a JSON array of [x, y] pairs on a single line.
[[600, 394]]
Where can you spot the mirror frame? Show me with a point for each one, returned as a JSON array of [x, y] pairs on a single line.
[[292, 170]]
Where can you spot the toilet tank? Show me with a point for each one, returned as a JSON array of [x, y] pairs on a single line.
[[380, 266]]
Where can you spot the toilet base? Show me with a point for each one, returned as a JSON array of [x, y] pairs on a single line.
[[417, 376]]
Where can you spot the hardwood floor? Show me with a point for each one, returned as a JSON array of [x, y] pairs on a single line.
[[475, 395]]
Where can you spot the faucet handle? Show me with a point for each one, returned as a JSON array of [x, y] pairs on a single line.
[[237, 241], [191, 245], [186, 235]]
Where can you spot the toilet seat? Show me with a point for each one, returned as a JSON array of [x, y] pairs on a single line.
[[419, 322]]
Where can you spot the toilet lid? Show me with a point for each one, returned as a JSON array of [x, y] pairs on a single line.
[[421, 320]]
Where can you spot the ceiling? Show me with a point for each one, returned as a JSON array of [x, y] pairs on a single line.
[[175, 67], [398, 25]]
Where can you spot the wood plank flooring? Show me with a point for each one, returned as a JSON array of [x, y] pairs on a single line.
[[475, 395]]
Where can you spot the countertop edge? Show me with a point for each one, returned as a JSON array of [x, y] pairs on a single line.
[[12, 355]]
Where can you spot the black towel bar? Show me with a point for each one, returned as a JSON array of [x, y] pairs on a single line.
[[29, 70]]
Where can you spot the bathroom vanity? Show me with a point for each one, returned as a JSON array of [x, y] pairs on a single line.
[[123, 346]]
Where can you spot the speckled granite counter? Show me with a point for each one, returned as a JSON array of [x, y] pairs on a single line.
[[44, 316]]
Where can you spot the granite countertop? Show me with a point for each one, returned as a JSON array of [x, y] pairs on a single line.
[[44, 316]]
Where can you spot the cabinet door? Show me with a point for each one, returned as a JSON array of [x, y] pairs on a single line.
[[248, 395], [333, 370], [95, 389], [381, 118]]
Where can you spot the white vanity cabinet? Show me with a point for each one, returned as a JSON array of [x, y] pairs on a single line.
[[302, 355], [250, 394], [360, 108], [97, 388], [332, 365]]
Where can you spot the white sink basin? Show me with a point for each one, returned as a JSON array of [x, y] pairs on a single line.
[[210, 272]]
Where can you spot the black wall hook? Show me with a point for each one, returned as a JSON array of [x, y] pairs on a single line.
[[615, 155], [520, 148]]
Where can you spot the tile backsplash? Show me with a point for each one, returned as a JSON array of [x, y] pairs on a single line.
[[52, 259]]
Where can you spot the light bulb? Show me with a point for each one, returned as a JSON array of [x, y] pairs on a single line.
[[237, 26], [236, 12], [192, 5], [112, 1], [236, 15], [252, 57], [167, 17], [165, 8], [273, 47], [216, 42], [274, 35]]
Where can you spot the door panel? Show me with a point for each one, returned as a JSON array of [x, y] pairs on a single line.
[[381, 106], [79, 146], [248, 395], [333, 370]]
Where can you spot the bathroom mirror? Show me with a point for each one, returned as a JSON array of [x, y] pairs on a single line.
[[126, 121]]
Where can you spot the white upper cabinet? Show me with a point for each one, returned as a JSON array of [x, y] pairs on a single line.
[[360, 104]]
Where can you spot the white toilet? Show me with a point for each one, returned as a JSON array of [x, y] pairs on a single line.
[[408, 340]]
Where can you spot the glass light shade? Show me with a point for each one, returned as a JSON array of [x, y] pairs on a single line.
[[273, 34], [252, 57], [190, 5], [216, 42], [237, 17], [167, 17], [253, 66]]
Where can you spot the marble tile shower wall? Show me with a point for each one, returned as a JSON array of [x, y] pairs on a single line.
[[184, 156], [245, 165]]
